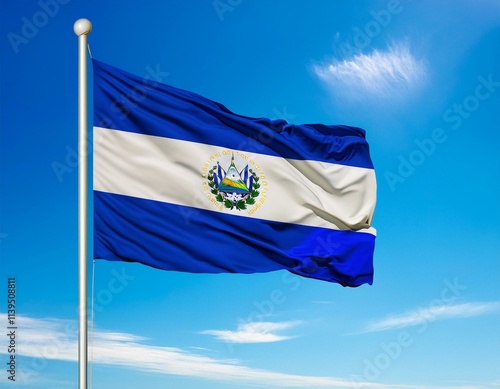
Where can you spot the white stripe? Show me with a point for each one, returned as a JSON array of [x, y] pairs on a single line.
[[169, 170]]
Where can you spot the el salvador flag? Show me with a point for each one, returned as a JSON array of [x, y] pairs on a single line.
[[181, 183]]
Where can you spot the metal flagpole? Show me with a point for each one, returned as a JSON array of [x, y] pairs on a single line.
[[82, 28]]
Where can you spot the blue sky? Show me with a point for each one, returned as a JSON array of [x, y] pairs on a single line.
[[421, 77]]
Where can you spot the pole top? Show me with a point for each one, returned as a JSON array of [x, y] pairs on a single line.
[[82, 27]]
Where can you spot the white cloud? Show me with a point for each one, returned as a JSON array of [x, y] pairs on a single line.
[[426, 314], [259, 332], [56, 339], [378, 74]]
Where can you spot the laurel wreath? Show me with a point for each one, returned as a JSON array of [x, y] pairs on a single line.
[[230, 204]]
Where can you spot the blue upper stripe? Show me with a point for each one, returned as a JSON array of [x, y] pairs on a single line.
[[126, 102]]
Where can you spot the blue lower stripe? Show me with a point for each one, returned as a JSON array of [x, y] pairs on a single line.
[[180, 238]]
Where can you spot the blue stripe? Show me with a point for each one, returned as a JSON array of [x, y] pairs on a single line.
[[180, 238], [127, 102]]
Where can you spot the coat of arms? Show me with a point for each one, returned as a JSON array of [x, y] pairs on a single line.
[[233, 188]]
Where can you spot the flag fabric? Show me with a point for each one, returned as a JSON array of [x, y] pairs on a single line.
[[182, 183]]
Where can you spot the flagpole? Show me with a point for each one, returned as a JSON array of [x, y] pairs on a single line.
[[82, 28]]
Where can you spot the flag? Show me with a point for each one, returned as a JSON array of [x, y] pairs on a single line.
[[182, 183]]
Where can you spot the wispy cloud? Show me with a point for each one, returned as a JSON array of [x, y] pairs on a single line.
[[258, 332], [378, 74], [421, 315], [51, 339], [56, 339]]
